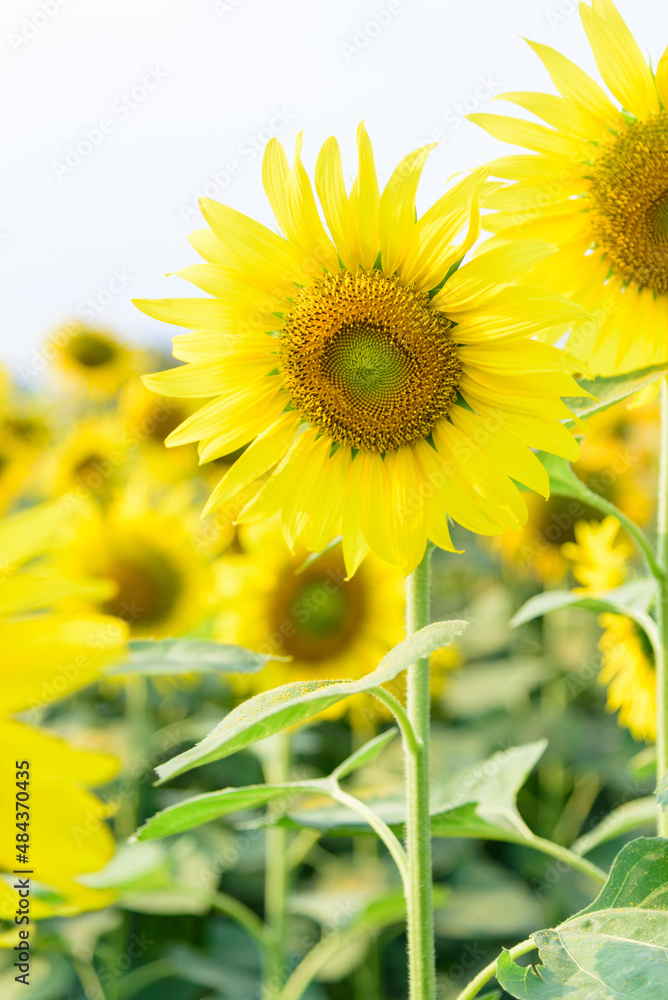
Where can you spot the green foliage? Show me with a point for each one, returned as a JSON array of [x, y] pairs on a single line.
[[283, 707], [186, 656], [628, 599], [616, 948], [478, 802], [610, 389], [625, 819]]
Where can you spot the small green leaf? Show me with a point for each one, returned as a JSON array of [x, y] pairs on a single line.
[[611, 389], [365, 754], [625, 600], [662, 793], [624, 819], [212, 805], [286, 706], [615, 949], [185, 656]]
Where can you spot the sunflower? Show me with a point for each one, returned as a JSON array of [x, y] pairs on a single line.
[[92, 461], [383, 389], [92, 360], [162, 580], [330, 626], [619, 457], [48, 654], [146, 422], [629, 673], [537, 550], [24, 435], [599, 561], [597, 187], [617, 462]]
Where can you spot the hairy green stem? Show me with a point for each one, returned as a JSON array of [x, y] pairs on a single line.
[[419, 898], [276, 765], [399, 713], [489, 971], [662, 612]]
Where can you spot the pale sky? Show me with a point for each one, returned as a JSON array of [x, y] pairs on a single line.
[[168, 99]]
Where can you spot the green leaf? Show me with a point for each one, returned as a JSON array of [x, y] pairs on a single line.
[[481, 802], [212, 805], [615, 949], [286, 706], [477, 802], [624, 819], [563, 480], [625, 600], [611, 389], [185, 656], [365, 754], [662, 792]]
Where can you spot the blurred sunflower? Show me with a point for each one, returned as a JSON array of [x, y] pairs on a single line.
[[599, 563], [93, 360], [144, 546], [629, 673], [381, 389], [619, 456], [597, 187], [332, 627], [537, 550], [48, 654], [24, 436], [617, 461], [92, 461], [147, 420]]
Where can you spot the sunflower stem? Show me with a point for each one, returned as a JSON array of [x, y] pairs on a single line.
[[276, 765], [662, 612], [419, 898]]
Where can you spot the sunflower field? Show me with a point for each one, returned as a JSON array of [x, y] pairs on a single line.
[[334, 589]]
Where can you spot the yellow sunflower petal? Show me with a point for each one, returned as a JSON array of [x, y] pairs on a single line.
[[619, 59], [574, 84], [396, 211], [365, 201]]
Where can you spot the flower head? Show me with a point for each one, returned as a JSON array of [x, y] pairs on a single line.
[[92, 360], [599, 561], [630, 675], [596, 186], [381, 389]]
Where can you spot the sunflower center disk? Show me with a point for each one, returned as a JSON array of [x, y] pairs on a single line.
[[630, 202], [368, 361], [324, 612], [91, 350], [148, 588]]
